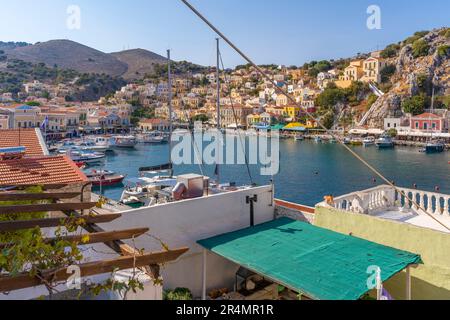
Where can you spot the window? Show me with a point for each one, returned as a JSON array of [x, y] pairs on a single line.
[[434, 125], [417, 125], [19, 124], [388, 125], [425, 126]]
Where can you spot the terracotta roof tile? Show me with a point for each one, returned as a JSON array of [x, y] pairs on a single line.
[[44, 170], [427, 116], [27, 138]]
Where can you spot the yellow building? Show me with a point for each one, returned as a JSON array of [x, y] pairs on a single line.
[[354, 72], [372, 69], [292, 111]]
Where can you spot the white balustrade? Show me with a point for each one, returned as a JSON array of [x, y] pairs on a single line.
[[385, 197]]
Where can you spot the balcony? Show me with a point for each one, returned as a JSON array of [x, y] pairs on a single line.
[[387, 203]]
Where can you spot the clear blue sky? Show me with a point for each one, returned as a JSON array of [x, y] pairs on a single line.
[[277, 31]]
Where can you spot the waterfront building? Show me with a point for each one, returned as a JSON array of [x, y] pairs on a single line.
[[428, 122], [229, 114], [148, 125]]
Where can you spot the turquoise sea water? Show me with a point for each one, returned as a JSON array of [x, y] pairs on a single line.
[[308, 170]]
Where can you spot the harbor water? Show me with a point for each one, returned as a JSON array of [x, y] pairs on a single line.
[[308, 170]]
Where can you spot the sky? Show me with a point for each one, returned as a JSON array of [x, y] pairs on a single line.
[[289, 32]]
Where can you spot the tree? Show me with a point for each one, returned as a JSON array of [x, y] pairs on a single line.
[[420, 48], [33, 104], [330, 97], [416, 104], [393, 133], [328, 120]]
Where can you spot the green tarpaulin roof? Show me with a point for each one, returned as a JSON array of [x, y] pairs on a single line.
[[277, 127], [316, 262]]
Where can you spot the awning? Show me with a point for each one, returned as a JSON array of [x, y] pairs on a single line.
[[277, 127], [261, 127], [295, 126], [316, 262]]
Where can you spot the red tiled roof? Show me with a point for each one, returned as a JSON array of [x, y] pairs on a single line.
[[27, 138], [44, 170], [427, 116]]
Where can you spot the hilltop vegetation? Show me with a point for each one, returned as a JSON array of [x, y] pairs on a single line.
[[90, 86]]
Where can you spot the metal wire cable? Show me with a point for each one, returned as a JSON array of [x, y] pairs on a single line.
[[236, 121], [290, 98]]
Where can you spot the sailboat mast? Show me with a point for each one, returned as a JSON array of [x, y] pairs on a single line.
[[170, 109], [218, 111]]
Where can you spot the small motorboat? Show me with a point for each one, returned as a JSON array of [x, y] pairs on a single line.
[[87, 158], [347, 140], [369, 141], [92, 146], [106, 180], [99, 173], [356, 142], [299, 137], [385, 142], [151, 138], [125, 141], [318, 139], [434, 147]]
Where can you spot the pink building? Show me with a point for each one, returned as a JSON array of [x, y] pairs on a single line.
[[428, 122]]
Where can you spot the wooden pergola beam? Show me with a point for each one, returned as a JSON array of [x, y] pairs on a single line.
[[50, 207], [98, 237], [11, 226], [22, 281], [10, 196], [118, 246]]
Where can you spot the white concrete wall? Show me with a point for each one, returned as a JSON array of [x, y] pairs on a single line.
[[182, 224]]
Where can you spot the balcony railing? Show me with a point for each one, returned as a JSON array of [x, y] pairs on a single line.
[[384, 198]]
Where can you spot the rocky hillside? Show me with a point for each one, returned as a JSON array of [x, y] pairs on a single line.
[[416, 65], [139, 62], [68, 54]]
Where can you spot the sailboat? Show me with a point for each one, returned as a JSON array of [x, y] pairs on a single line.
[[433, 146]]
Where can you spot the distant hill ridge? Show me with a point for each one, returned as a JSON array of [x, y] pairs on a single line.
[[66, 54]]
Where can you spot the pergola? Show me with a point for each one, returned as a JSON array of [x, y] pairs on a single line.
[[74, 212]]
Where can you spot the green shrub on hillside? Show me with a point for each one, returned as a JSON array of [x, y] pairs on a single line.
[[416, 104], [420, 48], [390, 51], [447, 33], [443, 51], [418, 35]]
